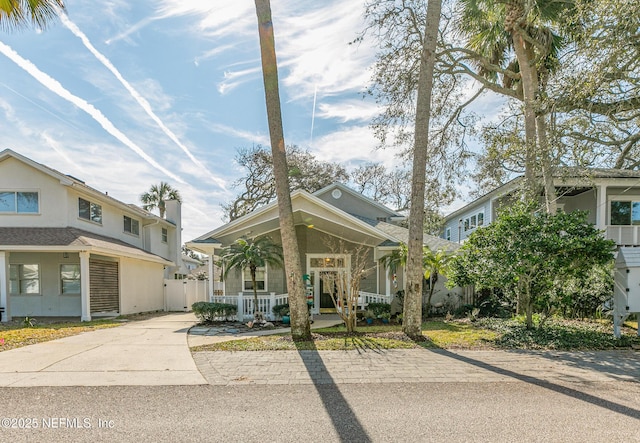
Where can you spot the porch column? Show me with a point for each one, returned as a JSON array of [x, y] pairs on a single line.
[[4, 286], [387, 281], [212, 278], [601, 207], [85, 294]]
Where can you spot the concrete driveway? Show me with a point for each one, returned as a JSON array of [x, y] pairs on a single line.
[[142, 353]]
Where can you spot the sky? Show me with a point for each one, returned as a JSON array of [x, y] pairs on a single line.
[[123, 95]]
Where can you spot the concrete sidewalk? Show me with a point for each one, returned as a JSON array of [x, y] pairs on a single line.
[[148, 352]]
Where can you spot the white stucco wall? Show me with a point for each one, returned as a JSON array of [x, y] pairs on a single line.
[[50, 303], [141, 286], [52, 201]]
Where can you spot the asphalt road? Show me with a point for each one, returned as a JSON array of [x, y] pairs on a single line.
[[411, 412]]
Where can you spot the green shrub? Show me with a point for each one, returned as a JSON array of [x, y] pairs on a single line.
[[209, 312], [280, 310], [379, 308]]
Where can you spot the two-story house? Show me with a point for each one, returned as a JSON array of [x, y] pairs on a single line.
[[67, 249], [332, 226], [610, 196]]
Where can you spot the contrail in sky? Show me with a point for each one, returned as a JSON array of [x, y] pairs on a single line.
[[55, 86], [146, 106]]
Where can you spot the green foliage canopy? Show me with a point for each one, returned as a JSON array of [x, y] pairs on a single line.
[[528, 254]]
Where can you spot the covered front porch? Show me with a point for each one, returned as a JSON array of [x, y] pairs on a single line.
[[67, 272]]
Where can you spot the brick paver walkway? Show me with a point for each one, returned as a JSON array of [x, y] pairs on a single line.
[[415, 365]]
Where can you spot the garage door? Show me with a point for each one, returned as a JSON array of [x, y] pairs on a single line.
[[104, 286]]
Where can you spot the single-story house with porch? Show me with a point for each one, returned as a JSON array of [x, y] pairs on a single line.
[[69, 250], [334, 213]]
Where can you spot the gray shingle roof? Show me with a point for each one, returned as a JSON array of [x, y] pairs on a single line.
[[402, 234], [68, 238]]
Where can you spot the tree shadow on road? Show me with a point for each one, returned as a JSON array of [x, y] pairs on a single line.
[[344, 420], [578, 395]]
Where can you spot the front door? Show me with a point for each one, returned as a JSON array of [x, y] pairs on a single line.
[[324, 270], [327, 293]]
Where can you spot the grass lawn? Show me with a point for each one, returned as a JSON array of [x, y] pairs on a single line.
[[461, 334], [16, 334]]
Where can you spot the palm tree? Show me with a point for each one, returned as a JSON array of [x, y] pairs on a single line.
[[394, 260], [300, 327], [157, 195], [252, 254], [20, 13], [434, 264], [496, 30]]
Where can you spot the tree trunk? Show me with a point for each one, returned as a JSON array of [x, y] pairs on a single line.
[[300, 329], [547, 168], [529, 87], [427, 305], [412, 321]]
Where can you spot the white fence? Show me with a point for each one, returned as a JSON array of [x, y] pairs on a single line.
[[181, 294]]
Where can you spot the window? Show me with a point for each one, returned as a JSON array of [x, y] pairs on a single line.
[[131, 226], [261, 279], [447, 234], [19, 202], [474, 221], [165, 234], [89, 211], [70, 279], [625, 213], [24, 279]]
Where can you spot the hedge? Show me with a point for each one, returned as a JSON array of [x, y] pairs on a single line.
[[209, 312]]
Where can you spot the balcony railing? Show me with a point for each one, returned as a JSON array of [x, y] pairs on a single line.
[[623, 235]]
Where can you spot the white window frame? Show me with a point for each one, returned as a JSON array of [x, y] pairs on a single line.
[[15, 208], [124, 225], [622, 198], [61, 280], [164, 235], [447, 234], [471, 222], [21, 279], [92, 205], [248, 279]]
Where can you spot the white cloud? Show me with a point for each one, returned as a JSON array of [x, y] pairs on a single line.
[[252, 137], [348, 110], [352, 146]]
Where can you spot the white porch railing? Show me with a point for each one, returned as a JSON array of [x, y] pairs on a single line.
[[623, 235], [266, 302], [245, 304], [369, 297]]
